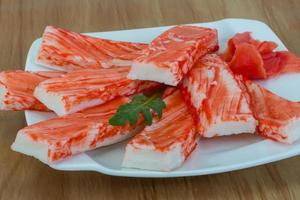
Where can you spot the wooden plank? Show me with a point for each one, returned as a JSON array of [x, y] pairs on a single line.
[[22, 177]]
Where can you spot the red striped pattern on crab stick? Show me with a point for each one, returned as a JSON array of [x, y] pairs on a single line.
[[173, 53], [168, 142], [219, 104], [67, 51], [16, 89], [59, 138], [278, 118], [82, 89]]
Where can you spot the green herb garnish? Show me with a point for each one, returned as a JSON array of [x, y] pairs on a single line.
[[139, 104]]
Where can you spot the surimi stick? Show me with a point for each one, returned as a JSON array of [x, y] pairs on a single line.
[[168, 142], [67, 51], [173, 53], [219, 104], [278, 118], [82, 89], [59, 138], [16, 89]]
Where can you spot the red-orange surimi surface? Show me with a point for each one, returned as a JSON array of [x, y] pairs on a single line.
[[17, 89], [219, 105], [175, 130], [82, 89], [174, 127], [72, 134], [278, 118], [176, 50], [65, 50]]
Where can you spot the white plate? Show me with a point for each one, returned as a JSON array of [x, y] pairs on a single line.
[[212, 155]]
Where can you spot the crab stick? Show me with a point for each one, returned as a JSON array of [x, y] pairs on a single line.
[[173, 53], [167, 143], [278, 118], [16, 89], [216, 99], [59, 138], [66, 51], [82, 89]]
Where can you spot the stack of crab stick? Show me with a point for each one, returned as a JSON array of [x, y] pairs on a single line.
[[204, 97]]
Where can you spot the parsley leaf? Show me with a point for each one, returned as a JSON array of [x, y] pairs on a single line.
[[130, 112]]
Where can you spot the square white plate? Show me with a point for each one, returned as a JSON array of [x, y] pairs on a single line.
[[212, 155]]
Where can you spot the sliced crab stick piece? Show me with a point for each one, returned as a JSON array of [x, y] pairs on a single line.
[[59, 138], [172, 54], [16, 89], [66, 51], [218, 103], [167, 143], [82, 89], [278, 118]]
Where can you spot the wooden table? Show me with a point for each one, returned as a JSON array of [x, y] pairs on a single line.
[[23, 21]]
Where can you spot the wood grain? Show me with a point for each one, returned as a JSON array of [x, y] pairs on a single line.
[[22, 21]]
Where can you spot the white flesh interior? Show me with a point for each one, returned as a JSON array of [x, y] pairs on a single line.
[[146, 158], [55, 102], [24, 144], [292, 131], [52, 101], [149, 71], [3, 92], [230, 128], [38, 149]]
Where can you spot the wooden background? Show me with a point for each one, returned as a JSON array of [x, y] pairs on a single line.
[[23, 21]]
